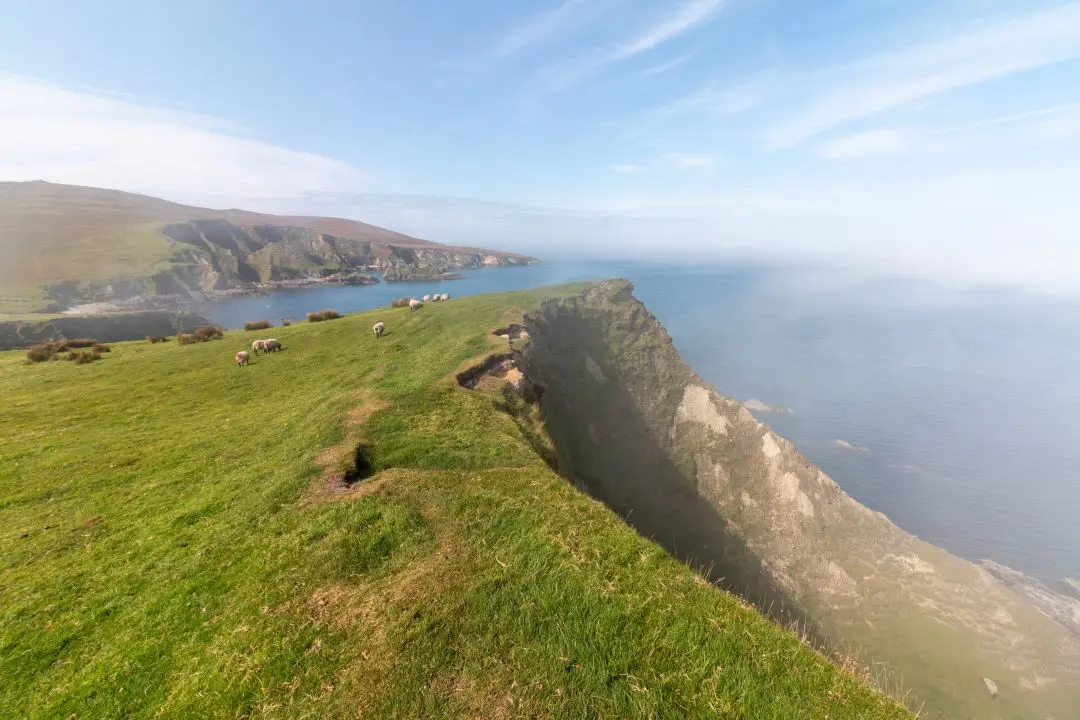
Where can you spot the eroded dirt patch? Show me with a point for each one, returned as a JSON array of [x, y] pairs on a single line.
[[349, 462], [500, 366], [514, 331]]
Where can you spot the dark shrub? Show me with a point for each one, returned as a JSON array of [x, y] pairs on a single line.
[[101, 348], [400, 302], [285, 322], [200, 334], [44, 351], [82, 358], [323, 315], [152, 339], [257, 325], [81, 343]]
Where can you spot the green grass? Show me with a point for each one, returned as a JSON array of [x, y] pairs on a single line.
[[169, 547]]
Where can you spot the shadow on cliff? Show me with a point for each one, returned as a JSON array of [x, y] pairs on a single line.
[[611, 450]]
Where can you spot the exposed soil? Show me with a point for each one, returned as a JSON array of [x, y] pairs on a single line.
[[502, 366], [511, 333]]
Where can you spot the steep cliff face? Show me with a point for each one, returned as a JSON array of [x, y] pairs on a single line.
[[696, 471], [217, 254]]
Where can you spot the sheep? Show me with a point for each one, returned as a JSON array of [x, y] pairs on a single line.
[[436, 297], [426, 298], [257, 346], [379, 329], [415, 304], [242, 358], [445, 296], [271, 345]]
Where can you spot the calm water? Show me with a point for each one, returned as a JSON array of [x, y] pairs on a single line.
[[966, 406]]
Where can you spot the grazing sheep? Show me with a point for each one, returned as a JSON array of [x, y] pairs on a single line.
[[257, 346], [271, 345], [242, 358], [436, 297], [415, 304], [445, 296], [379, 328], [426, 298]]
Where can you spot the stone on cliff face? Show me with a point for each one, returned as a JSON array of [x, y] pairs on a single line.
[[991, 687]]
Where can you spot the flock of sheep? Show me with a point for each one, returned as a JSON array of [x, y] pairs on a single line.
[[272, 345]]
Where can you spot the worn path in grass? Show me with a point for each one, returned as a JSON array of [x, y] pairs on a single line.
[[175, 541]]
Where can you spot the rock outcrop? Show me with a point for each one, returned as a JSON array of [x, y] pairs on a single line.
[[639, 430]]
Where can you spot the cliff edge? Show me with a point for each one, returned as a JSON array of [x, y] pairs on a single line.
[[637, 429]]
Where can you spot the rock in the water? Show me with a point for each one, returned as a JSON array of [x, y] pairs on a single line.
[[991, 687]]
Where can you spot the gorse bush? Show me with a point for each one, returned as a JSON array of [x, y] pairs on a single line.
[[45, 351], [323, 315], [400, 302], [201, 334], [80, 343], [101, 348], [256, 324], [83, 357], [154, 339]]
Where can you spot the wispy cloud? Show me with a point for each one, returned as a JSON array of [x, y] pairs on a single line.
[[686, 17], [543, 27], [669, 65], [626, 168], [84, 138], [981, 53]]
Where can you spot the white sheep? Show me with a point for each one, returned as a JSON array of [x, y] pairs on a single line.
[[242, 358], [415, 304], [427, 298], [271, 345], [445, 296], [257, 346], [379, 329], [436, 297]]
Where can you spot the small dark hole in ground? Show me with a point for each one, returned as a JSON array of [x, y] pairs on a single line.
[[361, 469]]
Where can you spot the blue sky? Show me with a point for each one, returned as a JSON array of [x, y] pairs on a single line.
[[930, 137]]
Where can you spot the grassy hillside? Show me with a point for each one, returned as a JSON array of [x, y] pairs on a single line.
[[178, 541], [52, 234]]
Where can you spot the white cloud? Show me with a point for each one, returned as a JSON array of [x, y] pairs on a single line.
[[688, 16], [981, 53], [627, 168], [668, 66], [84, 138], [541, 28]]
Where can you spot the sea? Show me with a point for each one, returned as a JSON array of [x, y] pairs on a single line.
[[956, 412]]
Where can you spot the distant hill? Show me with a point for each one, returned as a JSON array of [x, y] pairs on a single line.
[[63, 244]]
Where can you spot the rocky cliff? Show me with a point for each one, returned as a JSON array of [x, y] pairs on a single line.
[[639, 430], [63, 245]]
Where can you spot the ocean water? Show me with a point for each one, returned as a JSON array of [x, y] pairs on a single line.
[[960, 409]]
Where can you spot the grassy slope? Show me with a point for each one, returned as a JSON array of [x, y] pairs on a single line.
[[167, 545]]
